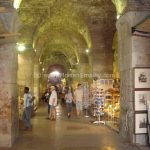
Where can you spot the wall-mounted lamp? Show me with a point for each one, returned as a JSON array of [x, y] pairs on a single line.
[[17, 3], [87, 50], [118, 16], [21, 47]]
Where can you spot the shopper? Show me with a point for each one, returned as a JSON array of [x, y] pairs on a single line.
[[47, 96], [78, 99], [53, 104], [28, 101], [69, 99]]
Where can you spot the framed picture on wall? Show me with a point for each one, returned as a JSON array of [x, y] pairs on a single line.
[[141, 98], [142, 77], [141, 123]]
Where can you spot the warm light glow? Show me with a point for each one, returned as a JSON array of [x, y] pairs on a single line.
[[55, 73], [17, 3], [87, 50], [118, 16], [110, 106], [21, 47], [43, 69]]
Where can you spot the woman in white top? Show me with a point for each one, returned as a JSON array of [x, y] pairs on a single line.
[[53, 104], [69, 99]]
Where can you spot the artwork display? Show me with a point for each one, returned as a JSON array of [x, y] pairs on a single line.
[[141, 100], [142, 77], [141, 123]]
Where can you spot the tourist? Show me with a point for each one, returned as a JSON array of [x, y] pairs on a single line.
[[69, 99], [28, 104], [78, 99], [53, 104]]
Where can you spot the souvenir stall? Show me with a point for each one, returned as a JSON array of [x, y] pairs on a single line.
[[112, 108], [86, 99], [99, 106], [105, 101]]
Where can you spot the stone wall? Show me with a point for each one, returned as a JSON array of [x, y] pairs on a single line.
[[138, 5], [26, 70], [128, 59], [8, 95], [102, 35]]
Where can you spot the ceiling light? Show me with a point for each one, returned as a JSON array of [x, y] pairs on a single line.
[[43, 69]]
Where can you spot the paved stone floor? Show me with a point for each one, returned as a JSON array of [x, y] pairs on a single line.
[[69, 134]]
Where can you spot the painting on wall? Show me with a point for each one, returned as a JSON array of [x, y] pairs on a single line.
[[141, 99], [141, 123], [142, 77]]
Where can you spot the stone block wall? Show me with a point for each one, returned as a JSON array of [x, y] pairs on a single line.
[[128, 59], [26, 70], [102, 53]]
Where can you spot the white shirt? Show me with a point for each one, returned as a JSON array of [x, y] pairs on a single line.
[[53, 98], [27, 98], [78, 94], [69, 98]]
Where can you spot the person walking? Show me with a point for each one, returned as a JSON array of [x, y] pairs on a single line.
[[53, 104], [69, 99], [28, 101], [78, 99]]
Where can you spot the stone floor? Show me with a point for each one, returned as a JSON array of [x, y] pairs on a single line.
[[69, 134]]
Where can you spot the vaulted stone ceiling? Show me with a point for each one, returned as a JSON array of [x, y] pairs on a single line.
[[64, 26], [69, 27]]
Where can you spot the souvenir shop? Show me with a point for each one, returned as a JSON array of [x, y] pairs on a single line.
[[105, 102]]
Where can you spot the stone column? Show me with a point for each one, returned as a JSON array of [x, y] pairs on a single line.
[[36, 83], [84, 72], [26, 70], [8, 95], [127, 58]]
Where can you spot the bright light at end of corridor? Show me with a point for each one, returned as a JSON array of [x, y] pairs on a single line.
[[55, 73]]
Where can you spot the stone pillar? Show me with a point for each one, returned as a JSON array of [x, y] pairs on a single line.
[[36, 83], [8, 95], [26, 70], [84, 70], [127, 61]]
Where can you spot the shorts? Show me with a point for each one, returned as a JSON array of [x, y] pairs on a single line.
[[69, 107], [79, 105], [52, 106]]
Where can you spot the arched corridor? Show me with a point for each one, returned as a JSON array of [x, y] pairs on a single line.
[[102, 44]]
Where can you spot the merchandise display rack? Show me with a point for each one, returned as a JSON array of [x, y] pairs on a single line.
[[86, 100], [99, 106]]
